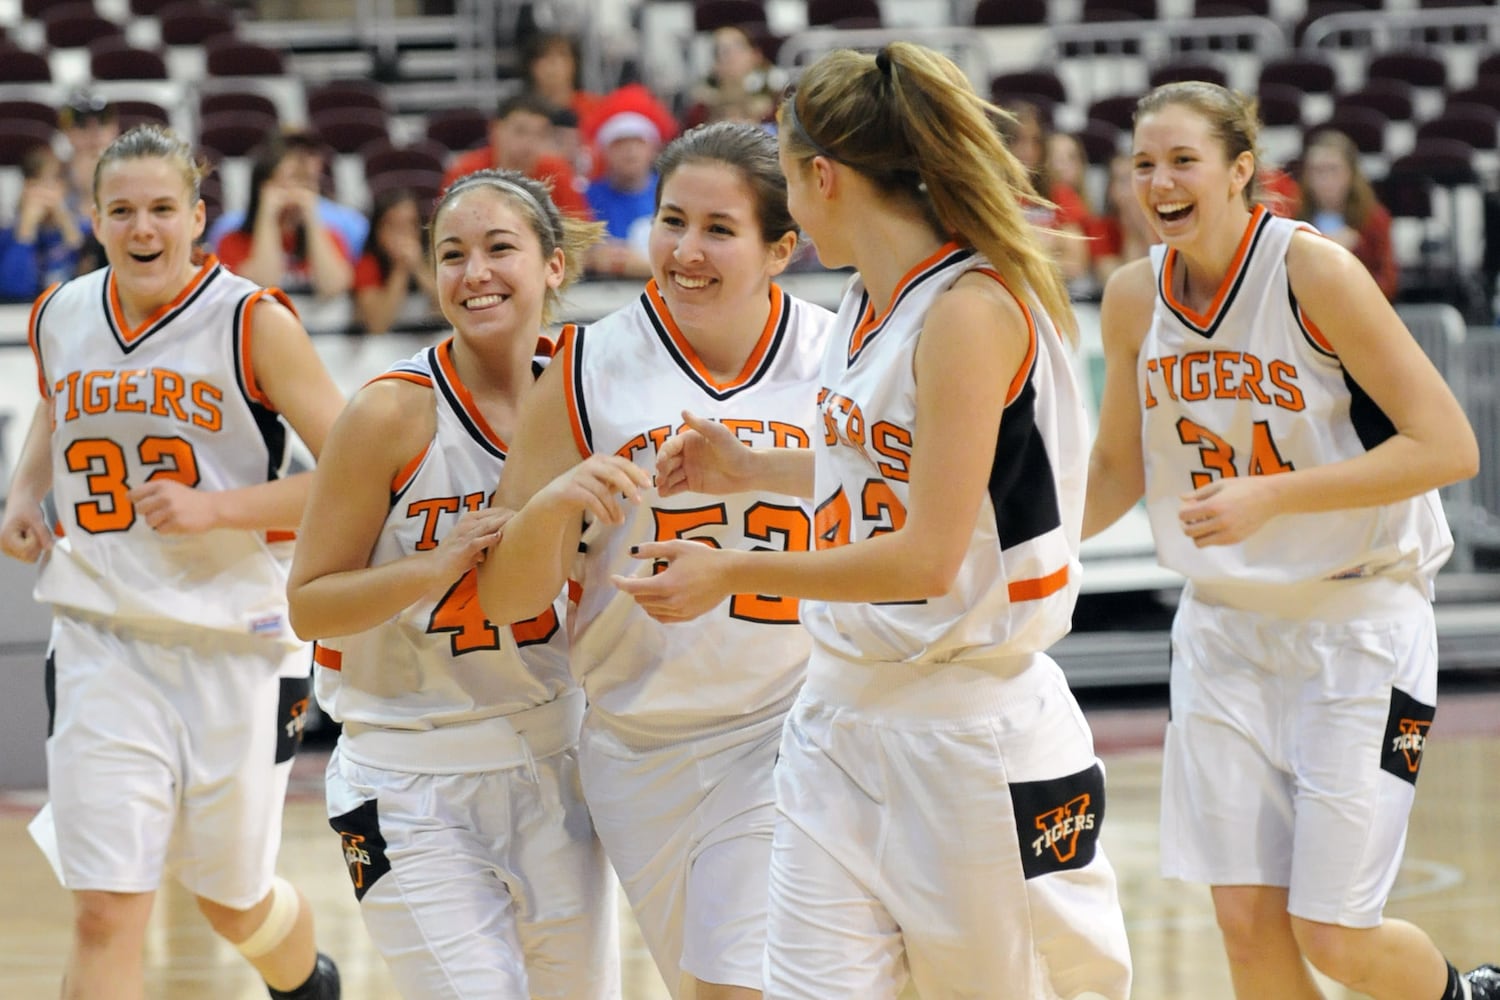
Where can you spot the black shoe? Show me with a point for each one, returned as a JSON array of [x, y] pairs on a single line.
[[1484, 982], [323, 984]]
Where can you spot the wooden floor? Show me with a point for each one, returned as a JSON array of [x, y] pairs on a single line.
[[1449, 884]]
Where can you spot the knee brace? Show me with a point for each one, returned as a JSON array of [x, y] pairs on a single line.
[[280, 919]]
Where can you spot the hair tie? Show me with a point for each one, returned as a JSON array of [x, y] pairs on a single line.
[[883, 61], [797, 128]]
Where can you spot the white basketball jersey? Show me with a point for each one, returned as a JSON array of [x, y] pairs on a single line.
[[629, 378], [1015, 591], [173, 398], [1251, 387], [441, 661]]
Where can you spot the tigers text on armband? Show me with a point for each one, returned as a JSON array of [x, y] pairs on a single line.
[[755, 433], [886, 445], [1200, 375], [160, 392]]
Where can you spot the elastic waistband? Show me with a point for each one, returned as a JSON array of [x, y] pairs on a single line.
[[483, 745], [163, 632], [653, 733], [952, 691], [1317, 600]]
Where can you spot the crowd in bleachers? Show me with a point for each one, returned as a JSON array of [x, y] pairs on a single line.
[[1395, 141]]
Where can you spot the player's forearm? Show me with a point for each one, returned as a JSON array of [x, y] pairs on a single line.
[[788, 471], [32, 477], [891, 567], [352, 601], [522, 575], [271, 506]]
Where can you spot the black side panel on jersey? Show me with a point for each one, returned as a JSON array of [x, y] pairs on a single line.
[[267, 421], [1370, 421], [1022, 486]]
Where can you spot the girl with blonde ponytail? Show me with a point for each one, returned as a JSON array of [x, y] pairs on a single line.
[[939, 800]]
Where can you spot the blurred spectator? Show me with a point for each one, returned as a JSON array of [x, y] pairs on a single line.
[[307, 158], [568, 144], [1125, 234], [43, 245], [743, 83], [89, 123], [520, 137], [624, 196], [1279, 191], [554, 73], [1061, 224], [394, 269], [1067, 163], [283, 240], [1337, 198]]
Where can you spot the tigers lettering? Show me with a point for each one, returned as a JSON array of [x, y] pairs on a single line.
[[159, 391]]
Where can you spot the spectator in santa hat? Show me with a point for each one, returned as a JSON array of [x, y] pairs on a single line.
[[623, 197]]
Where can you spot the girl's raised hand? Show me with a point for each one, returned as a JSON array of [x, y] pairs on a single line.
[[703, 457]]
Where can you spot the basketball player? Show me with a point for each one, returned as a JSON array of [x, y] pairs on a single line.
[[179, 687], [1288, 436], [940, 801], [683, 724], [455, 781]]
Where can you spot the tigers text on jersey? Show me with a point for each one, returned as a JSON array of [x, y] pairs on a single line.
[[1251, 387], [629, 377], [439, 661], [173, 398], [1015, 591]]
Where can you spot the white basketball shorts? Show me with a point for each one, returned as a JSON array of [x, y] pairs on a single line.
[[688, 830], [170, 753], [957, 845], [1292, 754], [484, 886]]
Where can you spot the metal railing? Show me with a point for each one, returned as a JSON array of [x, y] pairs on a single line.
[[1394, 30]]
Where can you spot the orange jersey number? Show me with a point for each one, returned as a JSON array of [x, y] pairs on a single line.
[[102, 461], [460, 614], [1218, 455], [878, 503], [764, 522]]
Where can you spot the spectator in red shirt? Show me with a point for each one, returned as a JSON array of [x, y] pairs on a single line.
[[394, 278], [1125, 234], [553, 74], [1278, 191], [284, 241], [1338, 199], [1060, 214], [520, 135]]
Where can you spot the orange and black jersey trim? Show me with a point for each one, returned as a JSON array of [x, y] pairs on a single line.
[[772, 335], [1207, 323], [869, 324], [436, 371], [1023, 483], [128, 337]]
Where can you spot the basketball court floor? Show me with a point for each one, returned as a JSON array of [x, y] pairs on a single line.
[[1449, 884]]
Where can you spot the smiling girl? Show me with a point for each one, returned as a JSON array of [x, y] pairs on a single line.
[[179, 686], [1288, 436], [939, 801], [455, 781], [683, 724]]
